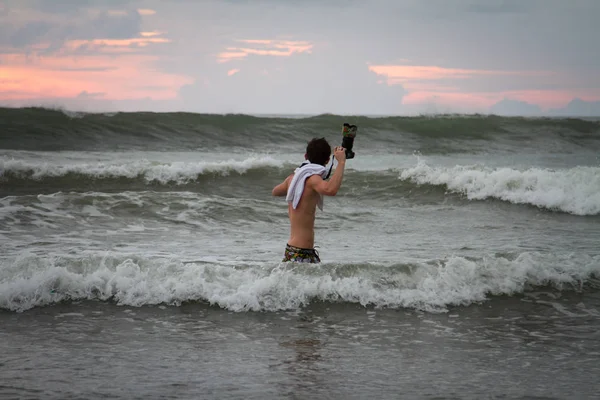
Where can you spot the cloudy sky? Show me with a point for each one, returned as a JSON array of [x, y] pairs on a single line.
[[301, 56]]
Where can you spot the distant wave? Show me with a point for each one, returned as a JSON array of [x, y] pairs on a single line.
[[49, 130], [34, 281]]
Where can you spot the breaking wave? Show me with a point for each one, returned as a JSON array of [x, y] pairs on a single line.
[[575, 190], [33, 281]]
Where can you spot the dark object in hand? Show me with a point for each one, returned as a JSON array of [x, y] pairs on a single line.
[[348, 132]]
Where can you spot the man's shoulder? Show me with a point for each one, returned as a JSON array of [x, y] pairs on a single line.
[[314, 178]]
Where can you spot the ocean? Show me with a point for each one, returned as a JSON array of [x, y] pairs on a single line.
[[140, 257]]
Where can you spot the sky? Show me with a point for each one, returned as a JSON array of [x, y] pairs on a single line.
[[377, 57]]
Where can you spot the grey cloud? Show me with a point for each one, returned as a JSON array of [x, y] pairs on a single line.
[[500, 83], [305, 84], [544, 33], [500, 6], [155, 87], [575, 108], [515, 107], [85, 95], [435, 32], [292, 3], [106, 26], [56, 30], [88, 69], [25, 35], [63, 7], [579, 108]]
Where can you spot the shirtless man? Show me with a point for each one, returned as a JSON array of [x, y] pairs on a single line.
[[300, 247]]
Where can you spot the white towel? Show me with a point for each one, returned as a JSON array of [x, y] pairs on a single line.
[[297, 184]]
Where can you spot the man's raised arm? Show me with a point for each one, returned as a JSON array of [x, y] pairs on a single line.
[[331, 187]]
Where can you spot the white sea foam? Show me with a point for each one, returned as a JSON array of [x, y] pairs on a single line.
[[30, 281], [575, 190], [572, 190], [177, 172]]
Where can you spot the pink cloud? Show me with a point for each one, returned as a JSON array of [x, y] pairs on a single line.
[[146, 11], [483, 100], [264, 47], [231, 55], [127, 76], [418, 86], [151, 33], [232, 72], [256, 41], [424, 86], [397, 74], [117, 13]]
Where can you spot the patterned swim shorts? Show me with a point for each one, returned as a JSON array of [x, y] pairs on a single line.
[[297, 254]]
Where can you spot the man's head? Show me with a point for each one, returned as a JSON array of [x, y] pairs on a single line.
[[318, 151]]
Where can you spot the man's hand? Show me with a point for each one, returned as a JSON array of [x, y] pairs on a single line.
[[340, 154]]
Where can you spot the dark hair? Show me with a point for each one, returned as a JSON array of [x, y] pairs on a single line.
[[318, 151]]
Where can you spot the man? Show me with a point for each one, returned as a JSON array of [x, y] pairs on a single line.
[[304, 190]]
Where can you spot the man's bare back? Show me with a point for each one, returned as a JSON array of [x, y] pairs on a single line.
[[302, 218]]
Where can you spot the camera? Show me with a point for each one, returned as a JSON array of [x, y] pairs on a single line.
[[348, 135]]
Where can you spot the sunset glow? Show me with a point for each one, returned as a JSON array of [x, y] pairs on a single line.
[[146, 11], [150, 34], [229, 56], [276, 48], [429, 84], [405, 73], [128, 77]]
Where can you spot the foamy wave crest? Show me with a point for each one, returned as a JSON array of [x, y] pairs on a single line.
[[176, 172], [32, 281], [575, 190]]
